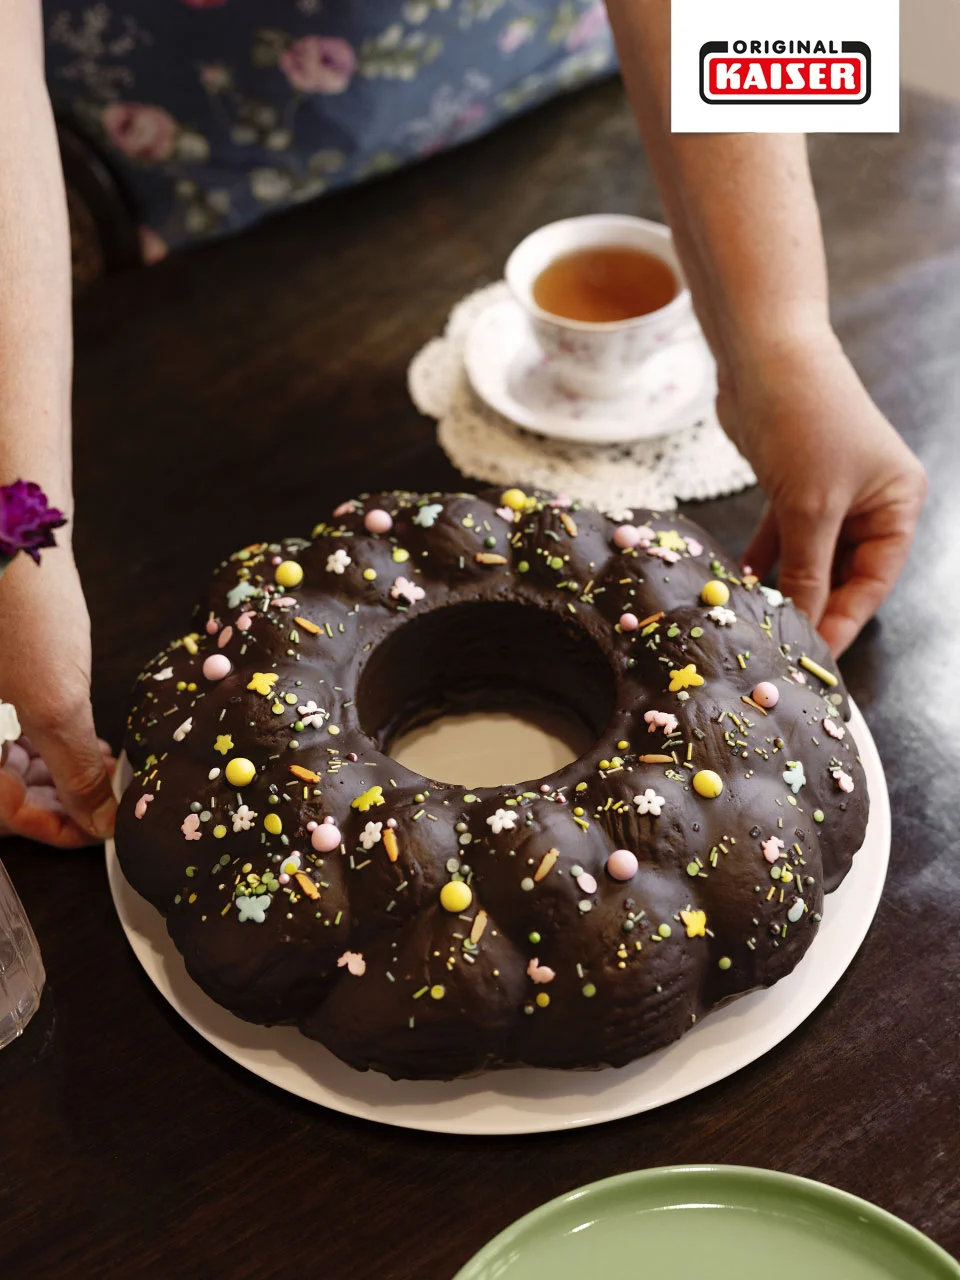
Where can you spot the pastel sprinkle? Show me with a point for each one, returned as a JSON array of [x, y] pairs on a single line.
[[821, 673], [378, 521]]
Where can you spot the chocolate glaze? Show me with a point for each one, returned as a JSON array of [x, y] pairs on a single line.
[[538, 624]]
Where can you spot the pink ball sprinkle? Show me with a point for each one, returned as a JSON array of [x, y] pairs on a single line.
[[766, 694], [325, 838], [544, 788], [329, 820], [622, 865], [275, 560], [217, 666], [392, 824], [626, 536], [378, 521], [213, 626], [629, 622], [283, 878], [312, 826]]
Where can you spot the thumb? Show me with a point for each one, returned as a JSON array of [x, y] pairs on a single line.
[[72, 752], [807, 549], [761, 554]]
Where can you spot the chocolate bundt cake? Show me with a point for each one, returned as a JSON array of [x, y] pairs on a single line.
[[429, 931]]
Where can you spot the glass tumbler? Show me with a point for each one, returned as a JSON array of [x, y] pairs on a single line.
[[21, 969]]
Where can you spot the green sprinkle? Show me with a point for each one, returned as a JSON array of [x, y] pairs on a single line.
[[693, 868], [818, 815], [523, 567], [696, 633], [724, 962], [534, 937], [589, 990], [422, 992], [664, 930], [556, 563]]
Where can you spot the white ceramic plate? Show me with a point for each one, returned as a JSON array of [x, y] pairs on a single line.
[[536, 1101], [510, 373]]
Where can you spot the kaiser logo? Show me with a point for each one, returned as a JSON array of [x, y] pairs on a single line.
[[785, 71], [812, 66]]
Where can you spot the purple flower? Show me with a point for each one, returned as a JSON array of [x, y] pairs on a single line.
[[27, 520]]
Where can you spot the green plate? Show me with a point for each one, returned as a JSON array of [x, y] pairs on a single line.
[[709, 1222]]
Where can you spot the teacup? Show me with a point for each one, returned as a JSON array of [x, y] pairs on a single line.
[[599, 360]]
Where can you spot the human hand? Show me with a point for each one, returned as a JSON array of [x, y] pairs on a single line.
[[45, 674], [844, 491], [30, 805]]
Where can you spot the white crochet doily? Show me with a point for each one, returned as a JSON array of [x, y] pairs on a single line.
[[694, 463]]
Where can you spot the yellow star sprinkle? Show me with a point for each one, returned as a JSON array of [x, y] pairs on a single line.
[[263, 682], [684, 678], [223, 744], [373, 796], [696, 922], [672, 540]]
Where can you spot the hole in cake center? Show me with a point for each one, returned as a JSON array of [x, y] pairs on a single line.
[[486, 694], [493, 748]]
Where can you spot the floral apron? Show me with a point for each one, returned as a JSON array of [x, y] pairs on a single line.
[[212, 113]]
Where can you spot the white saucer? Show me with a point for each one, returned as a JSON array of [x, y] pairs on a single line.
[[534, 1101], [510, 373]]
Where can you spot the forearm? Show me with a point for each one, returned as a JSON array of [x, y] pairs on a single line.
[[35, 320], [741, 206]]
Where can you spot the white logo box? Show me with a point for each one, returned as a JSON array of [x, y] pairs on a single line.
[[752, 66]]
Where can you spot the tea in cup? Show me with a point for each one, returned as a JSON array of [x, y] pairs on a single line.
[[603, 293]]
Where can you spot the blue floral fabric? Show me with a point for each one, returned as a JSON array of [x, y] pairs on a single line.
[[215, 112]]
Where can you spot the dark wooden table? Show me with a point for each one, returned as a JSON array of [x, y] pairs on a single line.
[[238, 392]]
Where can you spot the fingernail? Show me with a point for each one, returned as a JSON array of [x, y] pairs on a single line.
[[102, 819]]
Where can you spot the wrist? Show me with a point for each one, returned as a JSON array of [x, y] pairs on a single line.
[[786, 341]]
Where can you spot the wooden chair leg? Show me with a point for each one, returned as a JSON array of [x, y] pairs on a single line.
[[103, 231]]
